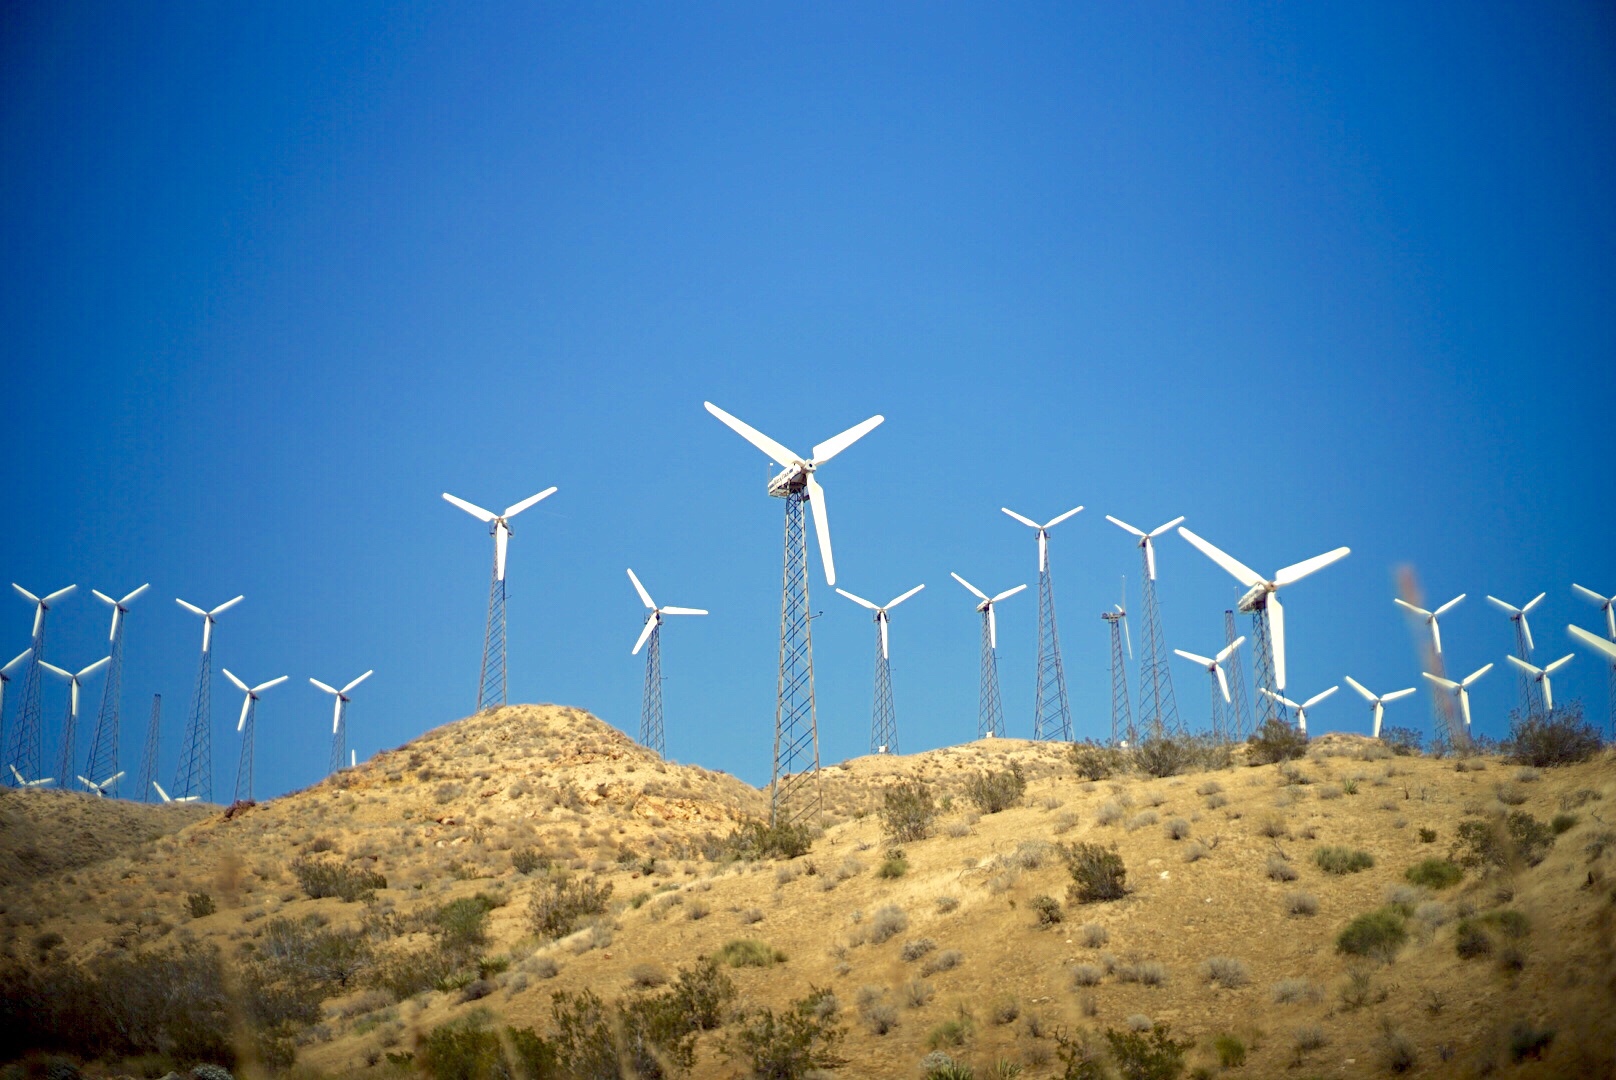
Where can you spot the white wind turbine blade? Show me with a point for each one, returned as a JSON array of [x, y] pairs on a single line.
[[1590, 594], [1228, 650], [1509, 609], [1421, 612], [894, 603], [1276, 637], [1378, 711], [1535, 672], [816, 499], [1128, 636], [645, 633], [1027, 521], [1205, 661], [1550, 669], [89, 785], [1281, 698], [1548, 693], [359, 680], [752, 435], [645, 597], [1526, 628], [1395, 694], [59, 594], [19, 658], [471, 508], [261, 687], [834, 445], [1464, 684], [883, 624], [54, 670], [188, 606], [1119, 523], [86, 672], [1363, 691], [104, 598], [1464, 706], [1043, 551], [1607, 649], [1298, 571], [1158, 530], [20, 781], [1534, 602], [1436, 635], [336, 714], [323, 686], [239, 685], [1150, 557], [130, 599], [1316, 698], [1447, 684], [207, 632], [1008, 593], [1056, 521], [684, 611], [993, 628], [968, 585], [32, 599], [161, 793], [1223, 683], [1445, 608], [117, 617], [502, 543], [113, 779], [512, 511], [1605, 602], [246, 706], [226, 606], [859, 600], [1239, 570]]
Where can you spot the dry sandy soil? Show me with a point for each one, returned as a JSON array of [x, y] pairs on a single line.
[[442, 816]]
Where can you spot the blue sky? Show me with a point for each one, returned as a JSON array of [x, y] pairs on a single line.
[[1310, 275]]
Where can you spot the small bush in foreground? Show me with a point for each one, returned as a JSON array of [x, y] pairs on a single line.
[[1339, 860], [1377, 934], [789, 1045], [1231, 1051], [1098, 874], [895, 865], [1147, 1055], [1561, 738], [200, 904], [1471, 941], [1434, 874], [1047, 908], [908, 811], [996, 791], [327, 877]]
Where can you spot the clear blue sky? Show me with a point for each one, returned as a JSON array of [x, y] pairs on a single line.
[[1311, 275]]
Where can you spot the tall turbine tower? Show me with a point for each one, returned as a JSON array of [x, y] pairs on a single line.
[[989, 709], [1158, 708], [1239, 704], [195, 775], [1531, 699], [1461, 690], [23, 752], [650, 639], [247, 726], [339, 716], [148, 757], [491, 682], [883, 717], [1377, 702], [1600, 647], [1267, 616], [1606, 604], [796, 723], [1213, 665], [70, 722], [1122, 728], [103, 760], [5, 681], [1052, 713]]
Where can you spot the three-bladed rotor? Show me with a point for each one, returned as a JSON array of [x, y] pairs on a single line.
[[987, 605], [1301, 710], [1214, 664], [653, 620], [1430, 617], [252, 693], [1460, 688], [501, 522], [101, 788], [208, 617], [799, 471], [881, 611], [41, 782], [341, 696], [1264, 592], [120, 608], [1518, 615], [1541, 675], [75, 678], [1377, 702], [1147, 540], [1607, 604], [1043, 532], [42, 604]]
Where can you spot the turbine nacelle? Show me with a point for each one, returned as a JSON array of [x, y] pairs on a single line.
[[499, 524], [252, 693], [1541, 675], [1147, 540], [208, 617], [987, 605], [654, 620], [1606, 604], [75, 678]]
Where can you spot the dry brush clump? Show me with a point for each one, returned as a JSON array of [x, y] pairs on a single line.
[[1098, 873]]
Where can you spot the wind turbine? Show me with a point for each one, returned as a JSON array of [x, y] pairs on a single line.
[[70, 722], [1122, 729], [796, 721], [177, 799], [1377, 703], [5, 680], [24, 747], [1606, 604], [1158, 706], [195, 775], [883, 717], [247, 725], [339, 713], [1540, 676], [101, 788], [1301, 710], [1430, 617], [1220, 682], [41, 782], [1530, 702], [990, 711], [104, 743], [1262, 601], [1052, 713], [650, 639], [1460, 689], [491, 683]]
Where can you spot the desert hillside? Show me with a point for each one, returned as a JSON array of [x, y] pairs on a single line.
[[487, 875]]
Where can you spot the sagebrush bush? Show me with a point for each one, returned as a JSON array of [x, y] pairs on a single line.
[[1501, 840], [992, 792], [1047, 908], [908, 811], [200, 905], [328, 877], [1098, 873], [1291, 991], [947, 960], [1561, 738], [1280, 869], [1226, 971], [1275, 741], [914, 950], [1176, 828], [1094, 761], [1377, 934], [888, 922], [1301, 903], [560, 901], [1340, 860], [1087, 974], [1095, 935], [894, 865], [525, 860], [1471, 941], [1231, 1050], [1434, 874], [750, 952], [753, 840]]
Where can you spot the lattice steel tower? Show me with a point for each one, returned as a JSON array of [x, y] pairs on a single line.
[[794, 793], [23, 753], [195, 774], [148, 757], [651, 734], [70, 721], [1121, 713], [883, 717], [1158, 708], [1531, 693], [1052, 712], [1607, 605], [247, 726], [1268, 705], [339, 720], [1239, 704], [990, 711], [103, 759]]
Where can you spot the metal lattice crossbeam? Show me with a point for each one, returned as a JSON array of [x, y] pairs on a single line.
[[491, 687], [1267, 708], [794, 794], [23, 753], [1121, 712], [148, 757], [195, 774], [990, 710], [1052, 713], [883, 719], [651, 734], [1158, 708], [1239, 725]]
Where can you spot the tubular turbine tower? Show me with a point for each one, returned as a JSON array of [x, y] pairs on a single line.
[[794, 793], [1052, 713]]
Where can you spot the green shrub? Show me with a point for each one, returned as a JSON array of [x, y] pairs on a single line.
[[463, 1050], [1098, 873], [949, 1033], [750, 952], [1498, 841], [1047, 908], [895, 865], [1513, 923], [753, 840], [462, 924], [908, 811], [1427, 836], [525, 860], [1375, 933], [1403, 741], [1275, 741], [701, 992], [640, 1037], [1434, 874], [200, 904], [1231, 1050], [1527, 1040], [1561, 738], [790, 1045], [1340, 860], [1152, 1055], [1096, 762], [327, 877], [1162, 757], [1563, 823], [560, 901], [1471, 941], [995, 791]]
